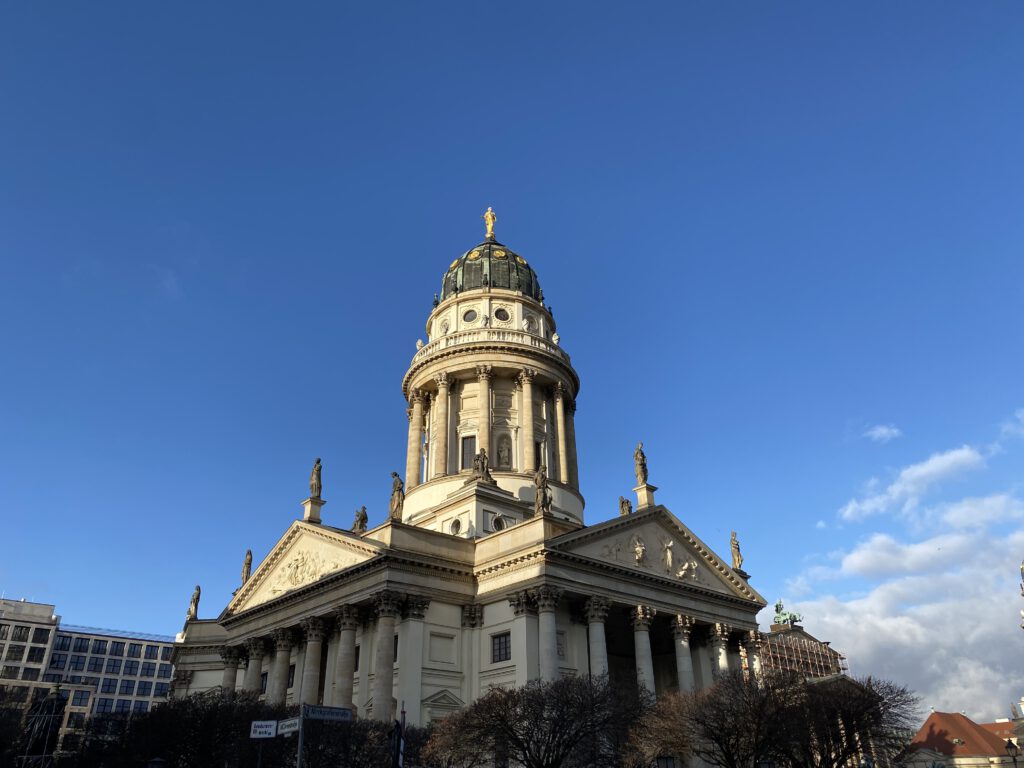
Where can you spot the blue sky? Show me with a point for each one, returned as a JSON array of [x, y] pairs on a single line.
[[766, 230]]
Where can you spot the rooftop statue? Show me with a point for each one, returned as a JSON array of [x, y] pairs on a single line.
[[783, 616], [625, 508], [489, 218], [247, 566], [737, 557], [359, 524], [193, 606], [640, 464], [315, 484], [397, 497]]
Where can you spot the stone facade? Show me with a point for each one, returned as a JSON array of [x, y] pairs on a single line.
[[476, 585]]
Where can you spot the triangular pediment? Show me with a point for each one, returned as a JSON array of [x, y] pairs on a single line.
[[303, 556], [653, 542], [444, 698]]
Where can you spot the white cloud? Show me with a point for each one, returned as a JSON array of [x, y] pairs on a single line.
[[883, 433], [881, 556], [821, 525], [981, 512], [950, 633], [910, 485]]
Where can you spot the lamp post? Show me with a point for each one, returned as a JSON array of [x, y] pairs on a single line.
[[1012, 750]]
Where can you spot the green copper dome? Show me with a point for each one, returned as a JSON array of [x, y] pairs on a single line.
[[493, 265]]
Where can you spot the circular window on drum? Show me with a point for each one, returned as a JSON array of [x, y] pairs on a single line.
[[469, 316], [502, 314], [499, 523], [455, 527]]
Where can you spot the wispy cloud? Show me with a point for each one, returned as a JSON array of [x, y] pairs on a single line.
[[981, 512], [1015, 426], [882, 433], [905, 492]]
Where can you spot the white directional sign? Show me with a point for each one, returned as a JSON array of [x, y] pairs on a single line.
[[327, 713], [263, 729], [284, 727]]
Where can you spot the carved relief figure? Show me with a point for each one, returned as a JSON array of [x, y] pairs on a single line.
[[193, 606], [359, 524], [734, 545], [639, 550], [504, 452], [625, 508], [640, 464], [315, 484], [246, 566], [667, 558], [542, 498], [687, 570], [303, 568], [397, 497]]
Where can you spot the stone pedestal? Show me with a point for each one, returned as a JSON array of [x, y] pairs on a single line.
[[644, 496], [311, 510]]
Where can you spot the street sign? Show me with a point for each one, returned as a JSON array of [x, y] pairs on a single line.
[[263, 729], [285, 727], [338, 714]]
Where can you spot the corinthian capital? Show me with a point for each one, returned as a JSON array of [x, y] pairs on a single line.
[[682, 626], [313, 629], [346, 617], [720, 632], [387, 603], [546, 597], [642, 616], [597, 610], [229, 654], [283, 639], [483, 372], [526, 376], [441, 380]]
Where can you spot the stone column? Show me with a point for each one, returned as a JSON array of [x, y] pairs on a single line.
[[387, 605], [256, 648], [346, 619], [526, 421], [441, 425], [546, 598], [681, 629], [720, 649], [314, 631], [472, 620], [570, 426], [410, 667], [483, 431], [642, 617], [597, 612], [415, 445], [563, 444], [524, 638], [753, 646], [229, 655], [277, 685]]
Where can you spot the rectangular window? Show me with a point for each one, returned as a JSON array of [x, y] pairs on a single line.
[[355, 664], [51, 677], [131, 667], [99, 646], [151, 651], [140, 706], [41, 635], [148, 669], [144, 688], [93, 681], [4, 629], [468, 451], [30, 673], [109, 685], [80, 699], [35, 655], [75, 720], [9, 672], [165, 653], [134, 650], [117, 648], [95, 664], [113, 666], [15, 652], [291, 675], [74, 679], [127, 688], [77, 663], [263, 683], [164, 671], [501, 647], [123, 706], [62, 643], [19, 635], [81, 645], [538, 454], [58, 660], [103, 706], [161, 690]]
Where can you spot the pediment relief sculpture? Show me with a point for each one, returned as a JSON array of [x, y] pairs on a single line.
[[301, 569]]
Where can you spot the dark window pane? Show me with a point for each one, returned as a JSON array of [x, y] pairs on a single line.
[[468, 452], [40, 635]]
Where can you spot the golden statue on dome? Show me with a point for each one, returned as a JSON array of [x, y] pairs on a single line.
[[489, 218]]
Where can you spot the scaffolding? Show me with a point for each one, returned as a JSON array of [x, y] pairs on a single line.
[[794, 651]]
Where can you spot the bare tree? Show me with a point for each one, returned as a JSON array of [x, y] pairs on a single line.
[[661, 732]]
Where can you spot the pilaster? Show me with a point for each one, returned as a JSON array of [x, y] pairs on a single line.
[[524, 638], [410, 656]]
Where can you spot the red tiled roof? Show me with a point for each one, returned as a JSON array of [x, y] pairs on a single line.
[[1003, 730], [950, 733]]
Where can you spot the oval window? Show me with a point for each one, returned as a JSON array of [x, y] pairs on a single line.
[[502, 315], [469, 316], [456, 527], [499, 523]]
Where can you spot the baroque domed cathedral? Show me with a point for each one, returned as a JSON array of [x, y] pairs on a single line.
[[484, 573]]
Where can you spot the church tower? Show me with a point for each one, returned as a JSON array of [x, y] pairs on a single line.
[[492, 381]]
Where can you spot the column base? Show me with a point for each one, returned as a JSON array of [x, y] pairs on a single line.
[[311, 510], [645, 496]]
